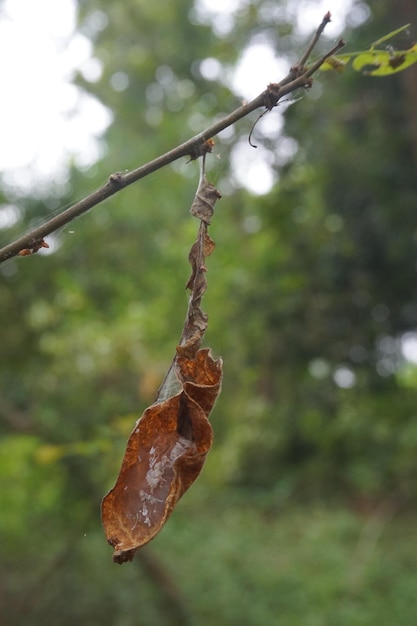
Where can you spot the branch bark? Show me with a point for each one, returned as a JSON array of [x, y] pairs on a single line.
[[298, 77]]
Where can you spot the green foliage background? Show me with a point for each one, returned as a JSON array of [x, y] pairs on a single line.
[[305, 512]]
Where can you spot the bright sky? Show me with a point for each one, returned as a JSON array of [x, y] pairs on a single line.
[[44, 118]]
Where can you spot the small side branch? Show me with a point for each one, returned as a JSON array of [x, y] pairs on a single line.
[[326, 19], [299, 76]]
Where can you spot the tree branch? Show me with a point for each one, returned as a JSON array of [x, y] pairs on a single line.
[[299, 76]]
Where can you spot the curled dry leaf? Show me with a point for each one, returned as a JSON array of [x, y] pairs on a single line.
[[204, 200], [169, 444], [34, 247], [165, 454]]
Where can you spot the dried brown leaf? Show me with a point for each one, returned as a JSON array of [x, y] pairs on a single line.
[[168, 446], [204, 201], [165, 453]]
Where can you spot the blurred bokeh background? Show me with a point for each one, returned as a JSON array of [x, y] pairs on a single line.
[[305, 512]]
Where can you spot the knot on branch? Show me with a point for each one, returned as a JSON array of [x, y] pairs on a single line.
[[33, 247], [272, 95], [201, 149], [116, 180]]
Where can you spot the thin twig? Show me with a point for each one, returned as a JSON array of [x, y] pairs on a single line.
[[195, 147], [303, 79], [326, 19]]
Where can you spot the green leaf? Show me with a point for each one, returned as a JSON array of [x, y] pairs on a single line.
[[384, 62], [375, 62], [338, 62], [334, 63], [389, 36]]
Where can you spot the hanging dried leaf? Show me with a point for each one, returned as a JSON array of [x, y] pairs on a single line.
[[204, 201], [196, 320], [169, 444], [165, 454]]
